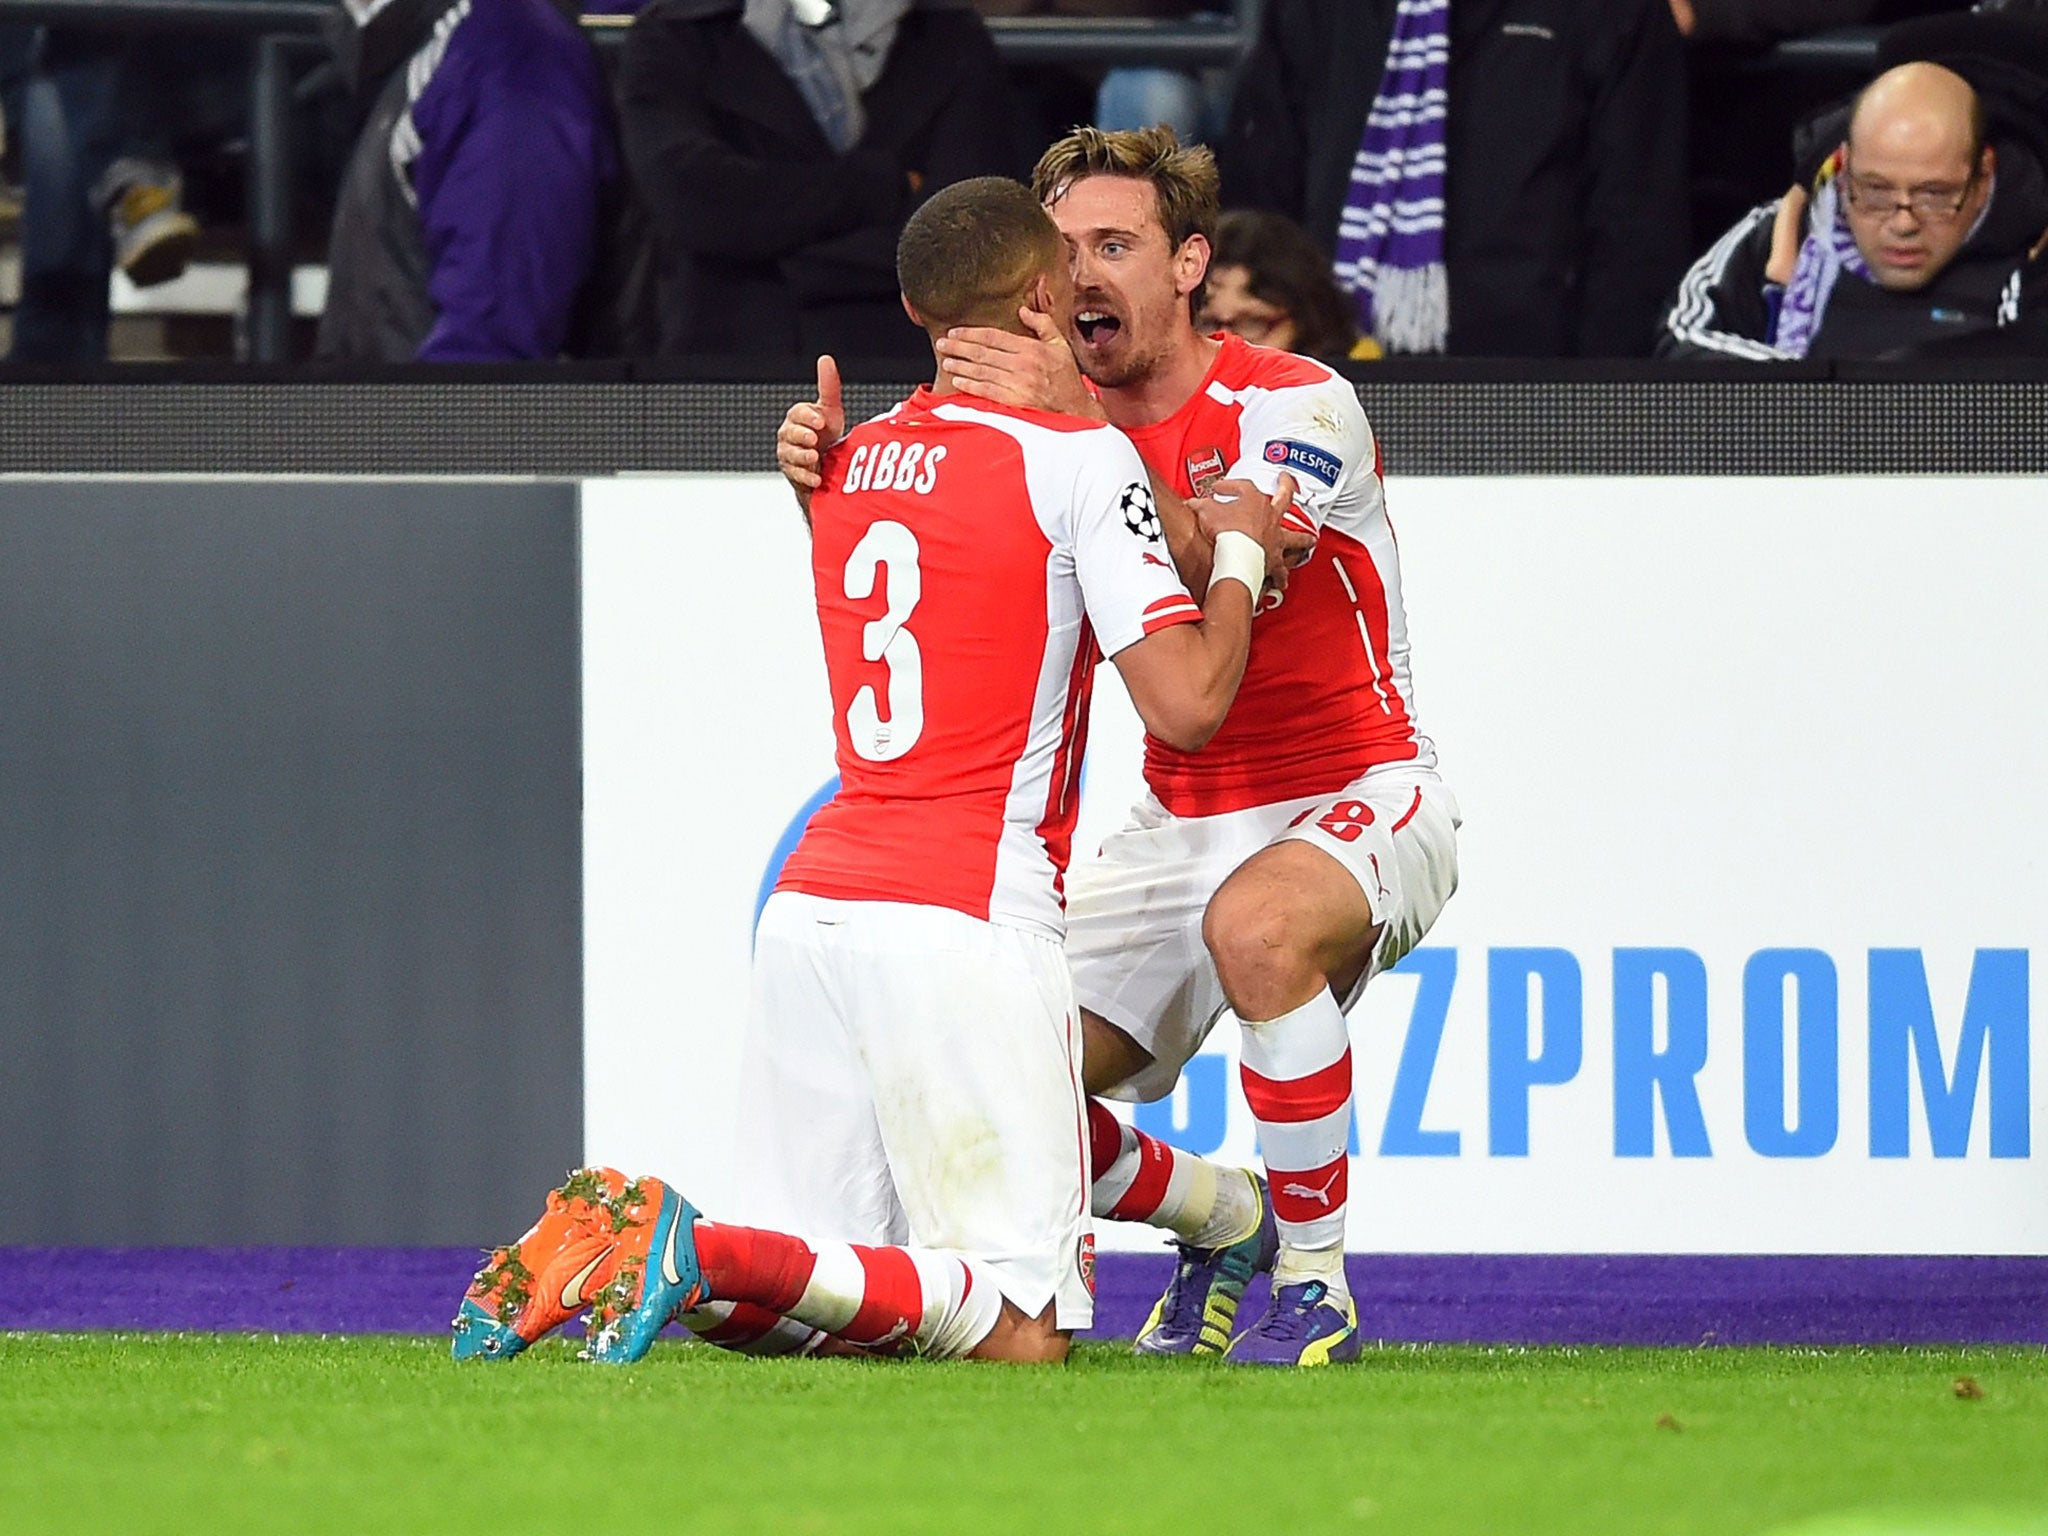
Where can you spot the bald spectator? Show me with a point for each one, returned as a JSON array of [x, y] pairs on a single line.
[[1919, 230]]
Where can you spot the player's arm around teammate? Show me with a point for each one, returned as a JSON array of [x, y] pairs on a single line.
[[1182, 680], [1039, 371]]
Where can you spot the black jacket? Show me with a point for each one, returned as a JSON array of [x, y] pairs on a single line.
[[768, 242], [1724, 308], [1565, 216]]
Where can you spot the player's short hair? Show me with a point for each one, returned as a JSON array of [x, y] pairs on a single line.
[[1183, 176], [970, 255]]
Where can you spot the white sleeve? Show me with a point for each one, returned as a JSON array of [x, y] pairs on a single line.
[[1316, 433], [1129, 586]]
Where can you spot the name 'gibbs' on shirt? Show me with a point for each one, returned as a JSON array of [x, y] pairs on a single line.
[[894, 467]]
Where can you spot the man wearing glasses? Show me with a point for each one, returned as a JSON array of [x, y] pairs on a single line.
[[1918, 230]]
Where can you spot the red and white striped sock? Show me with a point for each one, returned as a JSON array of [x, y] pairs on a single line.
[[941, 1304], [1140, 1178], [1297, 1080], [746, 1329]]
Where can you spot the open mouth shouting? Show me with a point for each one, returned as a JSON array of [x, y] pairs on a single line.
[[1097, 329]]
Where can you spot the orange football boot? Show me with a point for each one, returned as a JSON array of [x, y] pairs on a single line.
[[550, 1274]]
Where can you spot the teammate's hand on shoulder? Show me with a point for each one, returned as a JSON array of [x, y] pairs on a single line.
[[808, 429], [1036, 372], [1240, 506]]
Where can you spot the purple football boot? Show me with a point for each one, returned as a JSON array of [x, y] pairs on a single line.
[[1302, 1326], [1195, 1315]]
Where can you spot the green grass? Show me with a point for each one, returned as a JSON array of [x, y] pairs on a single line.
[[140, 1433]]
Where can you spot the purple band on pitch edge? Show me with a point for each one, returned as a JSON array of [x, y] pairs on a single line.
[[1520, 1299]]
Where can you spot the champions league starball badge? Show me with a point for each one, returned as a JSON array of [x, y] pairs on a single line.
[[1140, 515]]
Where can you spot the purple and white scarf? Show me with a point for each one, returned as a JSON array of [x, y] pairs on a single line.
[[1390, 239], [1828, 250]]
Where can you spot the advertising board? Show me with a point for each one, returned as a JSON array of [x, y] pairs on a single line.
[[1754, 857]]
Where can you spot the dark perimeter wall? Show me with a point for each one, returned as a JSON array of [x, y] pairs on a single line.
[[290, 860]]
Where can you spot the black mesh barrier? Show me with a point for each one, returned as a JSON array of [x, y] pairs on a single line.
[[1639, 420]]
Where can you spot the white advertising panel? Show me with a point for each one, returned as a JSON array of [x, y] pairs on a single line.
[[1755, 785]]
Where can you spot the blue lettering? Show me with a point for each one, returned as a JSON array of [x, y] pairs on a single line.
[[1201, 1099], [1435, 970], [1511, 1071], [1995, 1021], [1641, 1071], [1816, 1051]]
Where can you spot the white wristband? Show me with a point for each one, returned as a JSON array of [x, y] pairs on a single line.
[[1238, 557]]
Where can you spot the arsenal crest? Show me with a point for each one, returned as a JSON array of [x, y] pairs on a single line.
[[1205, 469], [1084, 1261]]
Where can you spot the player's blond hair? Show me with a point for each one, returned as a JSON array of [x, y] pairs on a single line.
[[973, 252], [1183, 176]]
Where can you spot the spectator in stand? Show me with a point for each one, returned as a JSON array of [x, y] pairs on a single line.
[[1922, 227], [1270, 284], [472, 219], [1745, 107], [780, 145], [1495, 177], [93, 114]]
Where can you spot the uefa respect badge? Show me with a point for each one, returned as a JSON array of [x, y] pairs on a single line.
[[1290, 453]]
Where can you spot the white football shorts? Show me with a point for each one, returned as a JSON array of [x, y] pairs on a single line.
[[912, 1075], [1134, 913]]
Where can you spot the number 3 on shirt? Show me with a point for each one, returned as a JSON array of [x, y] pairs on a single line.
[[892, 548]]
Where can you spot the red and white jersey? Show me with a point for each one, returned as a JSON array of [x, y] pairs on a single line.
[[1326, 694], [973, 563]]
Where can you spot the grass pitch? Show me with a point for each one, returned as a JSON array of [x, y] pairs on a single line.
[[142, 1433]]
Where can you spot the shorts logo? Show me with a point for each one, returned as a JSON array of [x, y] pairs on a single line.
[[1084, 1261], [1140, 515], [1205, 469], [1307, 458]]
